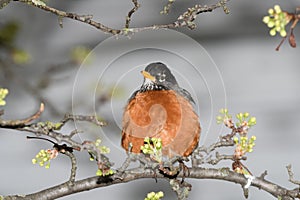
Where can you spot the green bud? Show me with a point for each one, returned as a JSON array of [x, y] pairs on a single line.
[[278, 23], [2, 102], [150, 195], [47, 166], [219, 118], [223, 111], [98, 141], [160, 194], [236, 139], [99, 172], [239, 116], [272, 32], [271, 24], [278, 28], [145, 151], [147, 139], [246, 115], [271, 11], [277, 9], [104, 149], [266, 19], [252, 121], [283, 33], [57, 126], [3, 93], [158, 145]]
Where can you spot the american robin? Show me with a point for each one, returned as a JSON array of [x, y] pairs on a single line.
[[161, 109]]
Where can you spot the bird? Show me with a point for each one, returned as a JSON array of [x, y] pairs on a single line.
[[160, 108]]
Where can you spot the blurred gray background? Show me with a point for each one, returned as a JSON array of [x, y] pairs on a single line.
[[257, 79]]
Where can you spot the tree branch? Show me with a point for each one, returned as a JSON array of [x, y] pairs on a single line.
[[184, 20], [135, 174]]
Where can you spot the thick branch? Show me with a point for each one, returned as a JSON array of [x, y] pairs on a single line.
[[134, 174]]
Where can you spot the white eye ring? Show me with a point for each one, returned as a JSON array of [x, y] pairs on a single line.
[[162, 77]]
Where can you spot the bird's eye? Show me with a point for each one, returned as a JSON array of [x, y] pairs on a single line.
[[161, 77]]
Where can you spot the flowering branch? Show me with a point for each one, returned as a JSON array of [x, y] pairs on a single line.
[[64, 142], [152, 164], [278, 19]]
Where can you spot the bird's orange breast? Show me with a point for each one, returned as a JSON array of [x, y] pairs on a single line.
[[161, 114]]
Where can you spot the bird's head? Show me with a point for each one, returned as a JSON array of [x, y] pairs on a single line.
[[157, 76]]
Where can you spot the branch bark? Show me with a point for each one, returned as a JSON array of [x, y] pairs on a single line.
[[136, 173], [184, 20]]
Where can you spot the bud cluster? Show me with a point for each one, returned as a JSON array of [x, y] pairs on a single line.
[[153, 147], [154, 196], [44, 156], [277, 20]]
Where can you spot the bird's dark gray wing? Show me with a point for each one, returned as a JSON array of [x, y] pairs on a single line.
[[186, 94]]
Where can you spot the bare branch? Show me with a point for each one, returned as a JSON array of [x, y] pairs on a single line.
[[202, 155], [184, 20], [21, 122]]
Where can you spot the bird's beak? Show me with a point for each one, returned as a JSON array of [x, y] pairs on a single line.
[[148, 75]]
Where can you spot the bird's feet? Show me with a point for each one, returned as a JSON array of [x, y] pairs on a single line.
[[169, 170]]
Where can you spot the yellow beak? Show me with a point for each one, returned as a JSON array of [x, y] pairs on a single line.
[[148, 75]]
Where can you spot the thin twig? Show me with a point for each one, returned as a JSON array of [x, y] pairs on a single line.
[[22, 122], [291, 175], [201, 154], [263, 175], [87, 118], [167, 7], [131, 12]]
